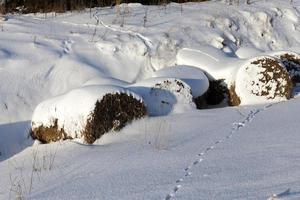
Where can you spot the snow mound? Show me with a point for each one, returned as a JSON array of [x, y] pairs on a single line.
[[105, 81], [247, 52], [262, 79], [214, 62], [165, 95], [193, 76], [66, 116]]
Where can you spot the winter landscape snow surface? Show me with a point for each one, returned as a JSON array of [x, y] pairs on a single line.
[[244, 152]]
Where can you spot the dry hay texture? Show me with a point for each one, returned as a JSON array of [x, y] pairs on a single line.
[[233, 98], [265, 77], [113, 112], [272, 73], [49, 134], [291, 61]]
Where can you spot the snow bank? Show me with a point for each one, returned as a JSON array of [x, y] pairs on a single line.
[[105, 81], [70, 112], [247, 52], [164, 95], [213, 61]]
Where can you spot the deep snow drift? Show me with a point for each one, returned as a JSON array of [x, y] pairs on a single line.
[[247, 152]]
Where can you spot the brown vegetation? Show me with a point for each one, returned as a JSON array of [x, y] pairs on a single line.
[[233, 98], [113, 112], [49, 134], [273, 72], [34, 6]]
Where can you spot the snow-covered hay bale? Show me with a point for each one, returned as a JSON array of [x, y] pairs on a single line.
[[194, 77], [262, 79], [76, 113], [165, 95], [291, 61]]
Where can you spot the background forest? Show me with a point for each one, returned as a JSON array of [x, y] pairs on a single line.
[[32, 6]]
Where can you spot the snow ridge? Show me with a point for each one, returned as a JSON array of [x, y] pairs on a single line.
[[148, 43], [200, 157]]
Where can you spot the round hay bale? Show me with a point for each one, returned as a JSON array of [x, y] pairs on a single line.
[[113, 112], [76, 113], [165, 95], [291, 62], [193, 76], [262, 79]]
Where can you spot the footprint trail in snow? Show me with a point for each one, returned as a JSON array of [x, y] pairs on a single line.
[[200, 157]]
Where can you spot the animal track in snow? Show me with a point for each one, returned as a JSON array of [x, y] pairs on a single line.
[[236, 126], [67, 46]]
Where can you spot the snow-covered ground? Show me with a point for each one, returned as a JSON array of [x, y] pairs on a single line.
[[246, 152]]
